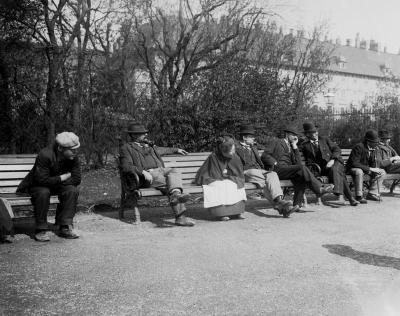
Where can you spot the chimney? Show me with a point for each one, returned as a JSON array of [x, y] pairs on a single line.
[[357, 42], [363, 44], [373, 46], [385, 49], [338, 41], [348, 42], [291, 32]]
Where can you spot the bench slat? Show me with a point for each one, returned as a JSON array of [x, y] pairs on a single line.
[[26, 167], [13, 175], [8, 190], [26, 201], [181, 164], [16, 161]]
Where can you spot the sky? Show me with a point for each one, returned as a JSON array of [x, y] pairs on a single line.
[[373, 19]]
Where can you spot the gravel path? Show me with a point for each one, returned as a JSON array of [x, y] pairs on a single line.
[[326, 261]]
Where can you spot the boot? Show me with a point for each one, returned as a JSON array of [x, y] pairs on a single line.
[[180, 218], [284, 207], [177, 197]]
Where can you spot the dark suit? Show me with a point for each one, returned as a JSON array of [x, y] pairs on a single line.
[[289, 167], [321, 155], [44, 180]]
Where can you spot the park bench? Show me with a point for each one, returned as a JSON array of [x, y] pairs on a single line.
[[189, 164], [13, 169]]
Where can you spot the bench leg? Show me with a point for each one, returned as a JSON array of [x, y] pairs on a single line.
[[392, 187], [136, 218]]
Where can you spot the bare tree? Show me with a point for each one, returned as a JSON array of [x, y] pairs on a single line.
[[174, 47]]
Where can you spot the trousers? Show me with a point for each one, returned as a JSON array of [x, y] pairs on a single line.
[[267, 180], [301, 177], [374, 184], [66, 209]]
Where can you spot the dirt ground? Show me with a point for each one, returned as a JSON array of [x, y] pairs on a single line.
[[324, 261]]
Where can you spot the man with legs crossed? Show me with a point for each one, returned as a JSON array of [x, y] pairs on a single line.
[[256, 172]]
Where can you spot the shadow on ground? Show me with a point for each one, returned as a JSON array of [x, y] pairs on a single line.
[[364, 257]]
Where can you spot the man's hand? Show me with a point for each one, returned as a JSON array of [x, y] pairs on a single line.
[[147, 175], [376, 170], [181, 152], [330, 163], [294, 142], [65, 176], [395, 159]]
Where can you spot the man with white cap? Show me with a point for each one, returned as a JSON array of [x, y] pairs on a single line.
[[56, 172]]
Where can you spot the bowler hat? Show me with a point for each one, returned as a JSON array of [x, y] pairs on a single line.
[[247, 129], [309, 127], [290, 129], [371, 136], [136, 128], [384, 134]]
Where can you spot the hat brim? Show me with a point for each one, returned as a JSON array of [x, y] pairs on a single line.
[[372, 140], [291, 132], [311, 131], [76, 146]]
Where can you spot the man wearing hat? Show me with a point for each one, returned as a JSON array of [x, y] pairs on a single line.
[[390, 160], [364, 158], [261, 174], [140, 159], [286, 152], [326, 154], [56, 171]]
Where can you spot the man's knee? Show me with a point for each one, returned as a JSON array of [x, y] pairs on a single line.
[[40, 193], [357, 172], [70, 190]]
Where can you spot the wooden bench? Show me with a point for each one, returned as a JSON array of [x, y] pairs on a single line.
[[13, 169], [188, 166]]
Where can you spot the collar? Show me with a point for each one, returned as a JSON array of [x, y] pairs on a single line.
[[245, 145]]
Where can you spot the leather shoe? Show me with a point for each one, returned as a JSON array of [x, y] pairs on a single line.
[[182, 220], [42, 236], [68, 233], [361, 200], [178, 197], [373, 197], [224, 218], [292, 209], [353, 202]]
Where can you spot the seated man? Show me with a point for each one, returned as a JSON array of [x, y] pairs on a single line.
[[390, 160], [364, 159], [289, 166], [140, 158], [56, 171], [326, 154], [255, 171]]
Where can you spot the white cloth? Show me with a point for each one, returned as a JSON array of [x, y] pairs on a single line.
[[223, 192]]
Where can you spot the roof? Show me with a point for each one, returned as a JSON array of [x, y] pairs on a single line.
[[365, 62]]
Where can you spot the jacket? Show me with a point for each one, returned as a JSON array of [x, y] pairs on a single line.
[[279, 150], [329, 150], [48, 168], [241, 152], [132, 160], [359, 158]]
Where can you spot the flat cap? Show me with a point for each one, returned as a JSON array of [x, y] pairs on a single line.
[[68, 140]]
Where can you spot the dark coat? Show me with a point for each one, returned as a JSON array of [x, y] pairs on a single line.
[[279, 150], [385, 152], [241, 152], [329, 150], [132, 160], [212, 170], [47, 170], [359, 158]]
